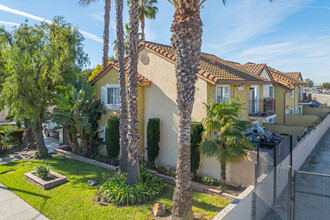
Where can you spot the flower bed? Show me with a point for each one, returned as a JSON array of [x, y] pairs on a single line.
[[54, 180]]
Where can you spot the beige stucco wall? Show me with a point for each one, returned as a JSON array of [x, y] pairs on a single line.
[[301, 120], [239, 173], [111, 77], [320, 112], [286, 129]]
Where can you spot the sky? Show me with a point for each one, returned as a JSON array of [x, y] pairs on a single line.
[[289, 35]]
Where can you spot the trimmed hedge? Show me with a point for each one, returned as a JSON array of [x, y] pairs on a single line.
[[112, 137], [153, 138], [115, 191], [196, 138]]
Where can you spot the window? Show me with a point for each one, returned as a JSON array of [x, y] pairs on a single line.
[[296, 107], [300, 110], [292, 93], [254, 99], [300, 93], [270, 121], [110, 96], [222, 93], [271, 91], [291, 111]]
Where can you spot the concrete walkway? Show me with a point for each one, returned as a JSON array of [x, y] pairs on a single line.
[[13, 207]]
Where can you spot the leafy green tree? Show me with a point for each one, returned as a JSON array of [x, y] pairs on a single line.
[[38, 59], [223, 136], [310, 82], [326, 85], [78, 111]]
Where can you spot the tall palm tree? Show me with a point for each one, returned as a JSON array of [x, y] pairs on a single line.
[[107, 8], [133, 170], [126, 41], [123, 126], [147, 9], [222, 136], [186, 41]]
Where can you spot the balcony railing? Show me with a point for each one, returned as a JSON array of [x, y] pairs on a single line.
[[304, 97], [265, 107]]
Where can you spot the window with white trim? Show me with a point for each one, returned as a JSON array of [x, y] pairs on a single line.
[[271, 91], [292, 93], [222, 93], [300, 110], [110, 96]]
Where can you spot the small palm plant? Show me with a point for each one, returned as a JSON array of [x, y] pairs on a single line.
[[223, 136]]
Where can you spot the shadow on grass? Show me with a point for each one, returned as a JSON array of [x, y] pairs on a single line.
[[24, 191]]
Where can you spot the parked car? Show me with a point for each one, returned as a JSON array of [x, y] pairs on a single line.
[[49, 128]]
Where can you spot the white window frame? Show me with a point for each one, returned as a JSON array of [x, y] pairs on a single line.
[[271, 87], [300, 110], [216, 92], [257, 110], [301, 89], [292, 111], [104, 97], [292, 93]]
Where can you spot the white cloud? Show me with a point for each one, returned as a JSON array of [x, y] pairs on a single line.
[[33, 17], [9, 23]]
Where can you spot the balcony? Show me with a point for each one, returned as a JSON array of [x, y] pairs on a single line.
[[262, 109], [305, 98]]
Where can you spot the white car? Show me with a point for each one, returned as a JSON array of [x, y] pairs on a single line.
[[49, 128]]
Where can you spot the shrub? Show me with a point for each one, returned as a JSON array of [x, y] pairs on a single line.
[[112, 137], [117, 192], [153, 137], [42, 171], [11, 136], [196, 139], [208, 181]]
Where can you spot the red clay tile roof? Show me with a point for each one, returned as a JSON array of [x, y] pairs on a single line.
[[142, 80], [296, 75], [212, 68], [282, 79]]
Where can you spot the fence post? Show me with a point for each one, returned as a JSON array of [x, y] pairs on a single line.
[[294, 194], [291, 149], [289, 192], [254, 194], [274, 185]]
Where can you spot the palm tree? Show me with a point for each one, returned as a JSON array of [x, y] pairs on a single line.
[[147, 9], [223, 136], [186, 41], [133, 170], [107, 8], [126, 41], [123, 126]]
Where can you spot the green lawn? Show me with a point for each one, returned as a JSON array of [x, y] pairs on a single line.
[[76, 200]]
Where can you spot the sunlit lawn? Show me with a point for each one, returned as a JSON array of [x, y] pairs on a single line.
[[76, 200]]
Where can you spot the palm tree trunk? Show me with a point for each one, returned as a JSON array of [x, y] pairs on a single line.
[[186, 40], [133, 171], [122, 88], [42, 151], [107, 8], [223, 172], [142, 26]]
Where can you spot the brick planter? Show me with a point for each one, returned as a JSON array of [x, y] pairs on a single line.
[[59, 179]]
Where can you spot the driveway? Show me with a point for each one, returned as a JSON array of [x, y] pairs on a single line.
[[51, 143]]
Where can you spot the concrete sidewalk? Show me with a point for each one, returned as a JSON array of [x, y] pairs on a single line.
[[13, 207]]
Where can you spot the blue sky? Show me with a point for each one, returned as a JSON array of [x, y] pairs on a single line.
[[287, 35]]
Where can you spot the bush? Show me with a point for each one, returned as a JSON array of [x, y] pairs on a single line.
[[208, 181], [10, 136], [117, 192], [196, 139], [42, 171], [153, 137], [112, 137]]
